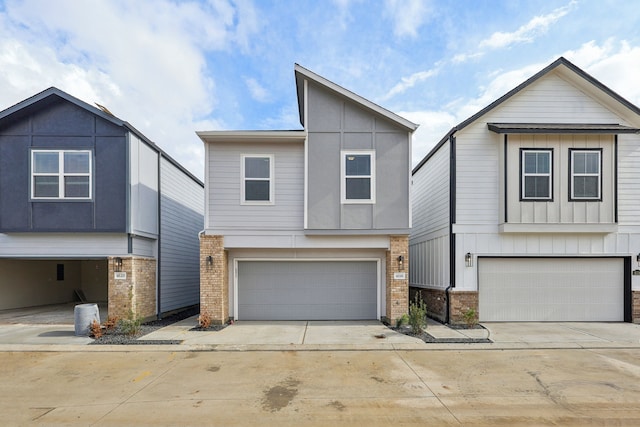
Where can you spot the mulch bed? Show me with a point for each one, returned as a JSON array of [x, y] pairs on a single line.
[[426, 337], [118, 337]]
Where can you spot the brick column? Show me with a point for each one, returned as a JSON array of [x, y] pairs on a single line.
[[635, 307], [135, 291], [214, 279], [459, 303], [397, 289]]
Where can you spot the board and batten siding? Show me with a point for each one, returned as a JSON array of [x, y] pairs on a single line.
[[181, 219], [560, 210], [629, 180], [429, 240], [548, 100], [225, 210]]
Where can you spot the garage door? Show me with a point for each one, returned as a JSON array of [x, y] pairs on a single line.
[[551, 289], [307, 290]]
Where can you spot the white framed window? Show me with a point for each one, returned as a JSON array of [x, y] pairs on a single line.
[[586, 174], [536, 174], [358, 170], [257, 179], [61, 174]]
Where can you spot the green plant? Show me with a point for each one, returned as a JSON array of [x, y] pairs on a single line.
[[402, 320], [470, 317], [417, 314]]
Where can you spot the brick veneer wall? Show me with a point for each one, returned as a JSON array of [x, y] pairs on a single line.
[[136, 293], [459, 303], [397, 289], [435, 299], [635, 307], [214, 279]]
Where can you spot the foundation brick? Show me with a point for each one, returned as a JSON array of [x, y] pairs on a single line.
[[435, 299], [137, 293], [459, 303], [397, 289], [635, 307], [214, 279]]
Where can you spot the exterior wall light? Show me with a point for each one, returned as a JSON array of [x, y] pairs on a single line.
[[209, 260], [400, 262], [468, 260], [118, 264]]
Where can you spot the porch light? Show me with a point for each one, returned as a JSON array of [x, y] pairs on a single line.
[[400, 262], [209, 260], [468, 260], [118, 264]]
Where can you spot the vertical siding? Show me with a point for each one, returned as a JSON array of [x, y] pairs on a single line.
[[223, 173], [629, 180], [181, 219], [429, 241]]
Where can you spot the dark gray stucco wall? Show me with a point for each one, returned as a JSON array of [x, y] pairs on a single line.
[[59, 124], [335, 123]]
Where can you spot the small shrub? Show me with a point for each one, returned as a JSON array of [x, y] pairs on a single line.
[[402, 320], [470, 317], [417, 314], [95, 329], [204, 320], [130, 325]]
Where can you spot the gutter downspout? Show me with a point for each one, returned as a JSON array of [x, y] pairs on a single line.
[[452, 220]]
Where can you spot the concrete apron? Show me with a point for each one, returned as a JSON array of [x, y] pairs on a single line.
[[318, 335]]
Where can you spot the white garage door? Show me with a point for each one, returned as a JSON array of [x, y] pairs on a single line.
[[307, 290], [551, 289]]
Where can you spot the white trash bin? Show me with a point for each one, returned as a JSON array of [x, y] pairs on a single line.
[[84, 315]]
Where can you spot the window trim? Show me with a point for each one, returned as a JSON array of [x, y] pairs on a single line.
[[344, 177], [270, 179], [61, 174], [572, 198], [522, 175]]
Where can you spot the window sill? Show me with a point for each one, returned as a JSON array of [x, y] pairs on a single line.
[[603, 228]]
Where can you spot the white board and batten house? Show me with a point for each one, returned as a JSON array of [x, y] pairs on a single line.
[[530, 209], [91, 207], [309, 224]]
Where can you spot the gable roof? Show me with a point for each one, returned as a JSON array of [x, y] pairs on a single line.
[[560, 63], [302, 73], [52, 94]]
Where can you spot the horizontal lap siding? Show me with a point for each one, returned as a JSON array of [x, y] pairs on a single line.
[[182, 218], [429, 242], [78, 245], [223, 171], [629, 179]]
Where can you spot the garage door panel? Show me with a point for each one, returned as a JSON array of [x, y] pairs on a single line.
[[551, 289], [307, 290]]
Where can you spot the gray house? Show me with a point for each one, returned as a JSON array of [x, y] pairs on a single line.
[[528, 210], [90, 206], [309, 224]]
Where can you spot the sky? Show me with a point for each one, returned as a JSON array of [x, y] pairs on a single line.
[[171, 68]]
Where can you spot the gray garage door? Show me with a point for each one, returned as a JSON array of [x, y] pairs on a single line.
[[551, 289], [307, 290]]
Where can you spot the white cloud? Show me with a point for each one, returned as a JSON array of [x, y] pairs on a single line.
[[258, 92], [407, 16], [408, 82], [526, 33], [150, 72]]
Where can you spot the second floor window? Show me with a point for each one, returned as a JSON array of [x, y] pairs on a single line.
[[257, 185], [61, 174], [586, 178], [358, 172], [536, 175]]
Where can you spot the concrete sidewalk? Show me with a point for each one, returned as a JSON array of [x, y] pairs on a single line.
[[317, 335]]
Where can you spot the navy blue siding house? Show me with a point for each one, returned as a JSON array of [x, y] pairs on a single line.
[[91, 207]]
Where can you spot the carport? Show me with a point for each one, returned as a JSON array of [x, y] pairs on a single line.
[[31, 288]]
